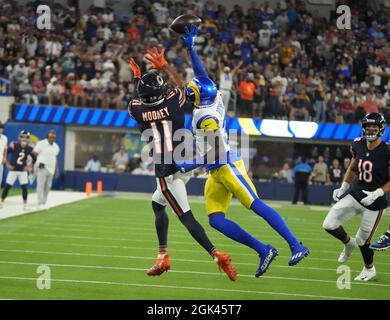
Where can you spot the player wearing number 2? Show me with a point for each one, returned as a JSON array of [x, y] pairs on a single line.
[[20, 151], [159, 114], [370, 166]]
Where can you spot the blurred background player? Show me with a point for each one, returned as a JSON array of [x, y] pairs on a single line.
[[370, 165], [3, 151], [46, 151], [159, 114], [20, 151], [227, 173], [302, 171], [383, 243]]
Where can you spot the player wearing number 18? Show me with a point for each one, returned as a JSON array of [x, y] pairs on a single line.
[[368, 173], [159, 114]]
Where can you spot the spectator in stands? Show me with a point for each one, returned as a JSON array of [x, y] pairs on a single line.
[[336, 173], [299, 107], [286, 174], [93, 165], [300, 43], [55, 92], [320, 171], [38, 87], [226, 79], [346, 164], [302, 173], [120, 160], [247, 91]]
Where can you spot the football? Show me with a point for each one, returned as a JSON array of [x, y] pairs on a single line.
[[184, 20]]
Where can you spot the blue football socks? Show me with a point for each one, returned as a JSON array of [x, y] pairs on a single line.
[[275, 221], [235, 232]]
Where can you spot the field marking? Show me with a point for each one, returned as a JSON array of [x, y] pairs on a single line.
[[233, 253], [149, 226], [137, 240], [142, 285], [184, 236], [105, 227], [188, 272], [181, 260]]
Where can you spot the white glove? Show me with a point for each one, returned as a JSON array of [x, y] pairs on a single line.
[[371, 196], [337, 193]]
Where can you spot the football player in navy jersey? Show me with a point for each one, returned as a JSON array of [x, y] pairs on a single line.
[[159, 114], [366, 182], [20, 151]]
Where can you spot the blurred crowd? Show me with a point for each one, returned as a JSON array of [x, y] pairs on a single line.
[[280, 62]]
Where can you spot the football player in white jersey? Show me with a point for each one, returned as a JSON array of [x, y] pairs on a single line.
[[227, 175]]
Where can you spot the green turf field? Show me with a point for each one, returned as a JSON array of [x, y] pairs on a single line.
[[100, 249]]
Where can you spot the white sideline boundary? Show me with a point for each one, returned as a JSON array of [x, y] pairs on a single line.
[[13, 206]]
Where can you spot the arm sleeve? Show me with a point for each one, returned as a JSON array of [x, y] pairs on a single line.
[[134, 96], [33, 156], [197, 65], [37, 148]]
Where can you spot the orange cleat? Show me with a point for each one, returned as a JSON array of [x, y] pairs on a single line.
[[224, 263], [160, 266]]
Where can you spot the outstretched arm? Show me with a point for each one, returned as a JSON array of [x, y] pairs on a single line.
[[136, 75], [160, 63], [189, 43]]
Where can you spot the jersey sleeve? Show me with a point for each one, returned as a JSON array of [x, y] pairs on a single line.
[[131, 109], [38, 147], [354, 147], [32, 155], [178, 95], [208, 123]]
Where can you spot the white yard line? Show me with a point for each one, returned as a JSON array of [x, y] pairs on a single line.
[[143, 285], [143, 241], [140, 257], [233, 254], [186, 272]]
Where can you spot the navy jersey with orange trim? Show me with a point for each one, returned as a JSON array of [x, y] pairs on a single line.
[[372, 171], [19, 155], [158, 125]]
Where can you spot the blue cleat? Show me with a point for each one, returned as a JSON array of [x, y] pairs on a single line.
[[382, 244], [265, 261], [298, 253]]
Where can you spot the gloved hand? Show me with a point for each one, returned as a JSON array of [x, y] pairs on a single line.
[[135, 68], [157, 59], [337, 193], [189, 38], [371, 196]]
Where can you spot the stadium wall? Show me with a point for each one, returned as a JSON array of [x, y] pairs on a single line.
[[127, 182]]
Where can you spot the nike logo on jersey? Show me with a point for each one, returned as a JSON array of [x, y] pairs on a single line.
[[155, 115]]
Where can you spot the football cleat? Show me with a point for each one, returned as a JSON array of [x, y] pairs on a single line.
[[366, 274], [298, 253], [382, 244], [160, 266], [266, 260], [224, 264], [348, 248]]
